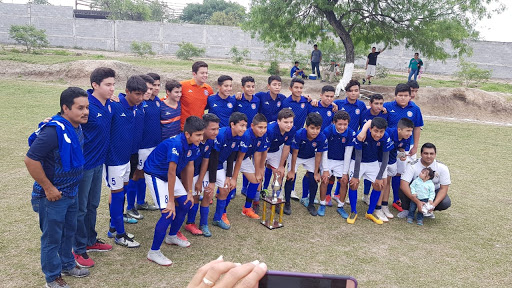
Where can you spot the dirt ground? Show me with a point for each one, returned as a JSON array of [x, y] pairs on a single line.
[[459, 103]]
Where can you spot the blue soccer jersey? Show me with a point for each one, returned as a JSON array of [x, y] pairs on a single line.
[[175, 149], [96, 132], [121, 132], [397, 144], [372, 148], [276, 139], [307, 148], [138, 127], [249, 108], [170, 120], [250, 144], [338, 141], [223, 108], [355, 111], [270, 107], [395, 113], [300, 108], [325, 112], [151, 132], [205, 149], [226, 143], [367, 115]]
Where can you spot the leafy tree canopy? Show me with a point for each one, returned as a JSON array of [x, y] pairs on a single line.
[[137, 10], [214, 12]]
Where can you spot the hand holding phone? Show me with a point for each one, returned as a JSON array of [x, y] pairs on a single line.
[[282, 279]]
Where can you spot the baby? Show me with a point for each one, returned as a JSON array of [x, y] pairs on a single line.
[[423, 188]]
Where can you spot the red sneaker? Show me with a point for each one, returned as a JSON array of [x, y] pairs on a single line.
[[250, 213], [398, 206], [225, 218], [83, 260], [181, 236], [99, 246], [192, 228]]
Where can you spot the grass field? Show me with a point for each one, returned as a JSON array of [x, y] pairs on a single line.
[[469, 245]]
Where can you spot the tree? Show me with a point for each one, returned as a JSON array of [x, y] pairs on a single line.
[[29, 36], [422, 25], [202, 13], [136, 10], [470, 75]]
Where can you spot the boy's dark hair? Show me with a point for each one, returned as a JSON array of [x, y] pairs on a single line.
[[374, 47], [171, 84], [237, 117], [285, 113], [431, 174], [417, 53], [223, 78], [274, 78], [405, 123], [340, 115], [328, 88], [351, 83], [314, 119], [296, 80], [376, 97], [136, 84], [147, 78], [428, 145], [379, 123], [413, 84], [296, 62], [154, 76], [247, 79], [68, 96], [402, 88], [101, 73], [210, 117], [193, 124], [197, 65], [259, 118]]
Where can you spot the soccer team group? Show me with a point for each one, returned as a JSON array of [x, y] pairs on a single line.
[[190, 160]]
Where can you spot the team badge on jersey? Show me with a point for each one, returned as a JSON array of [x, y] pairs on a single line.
[[329, 113], [378, 143], [302, 105], [230, 105], [206, 148], [358, 111], [409, 113], [189, 153], [313, 144], [157, 103], [401, 144], [233, 145], [259, 143], [278, 103], [343, 140], [205, 92], [285, 138], [253, 106]]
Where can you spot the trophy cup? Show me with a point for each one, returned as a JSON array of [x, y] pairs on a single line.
[[272, 201]]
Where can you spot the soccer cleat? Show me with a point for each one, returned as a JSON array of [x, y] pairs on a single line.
[[398, 206], [113, 233], [386, 211], [420, 222], [305, 202], [403, 214], [294, 195], [134, 214], [159, 258], [380, 215], [174, 240], [250, 213], [181, 236], [321, 210], [375, 220], [221, 224], [342, 212], [76, 272], [409, 220], [57, 283], [352, 218], [366, 199], [192, 228], [146, 206], [126, 242], [129, 220], [287, 209], [83, 260], [312, 210], [99, 246], [328, 200], [225, 219], [206, 231]]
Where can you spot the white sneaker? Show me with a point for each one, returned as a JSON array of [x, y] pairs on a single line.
[[430, 215], [380, 215], [403, 214], [337, 199], [366, 199], [174, 240], [388, 214], [158, 258], [127, 242], [294, 195]]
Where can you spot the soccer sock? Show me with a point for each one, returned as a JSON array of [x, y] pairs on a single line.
[[141, 191], [130, 194], [395, 184], [257, 196], [329, 187], [374, 198], [251, 192], [181, 212], [337, 191], [293, 181], [305, 184], [367, 186], [313, 186], [160, 231], [204, 211], [116, 212], [352, 195], [245, 183], [385, 203], [288, 191], [191, 215], [268, 175], [378, 207], [228, 200], [219, 210]]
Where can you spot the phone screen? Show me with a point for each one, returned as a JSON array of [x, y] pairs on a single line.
[[281, 279]]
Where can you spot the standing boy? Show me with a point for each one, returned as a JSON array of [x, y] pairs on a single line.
[[354, 107], [272, 100], [248, 104], [324, 106], [316, 58], [170, 110], [195, 92], [222, 104]]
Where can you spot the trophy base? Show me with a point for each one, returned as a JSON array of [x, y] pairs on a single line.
[[271, 226]]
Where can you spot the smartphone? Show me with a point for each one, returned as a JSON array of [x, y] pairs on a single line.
[[282, 279]]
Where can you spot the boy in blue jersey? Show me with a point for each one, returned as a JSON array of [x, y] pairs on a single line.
[[251, 160], [248, 103], [366, 165], [202, 184], [170, 110], [308, 146], [55, 160], [403, 107], [298, 103], [354, 107], [169, 171], [117, 164], [222, 104], [272, 100], [340, 140], [324, 107]]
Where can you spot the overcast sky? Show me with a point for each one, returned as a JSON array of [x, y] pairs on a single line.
[[495, 29]]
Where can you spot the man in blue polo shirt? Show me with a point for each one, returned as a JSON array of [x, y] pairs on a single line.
[[354, 107], [55, 160], [117, 164], [272, 100], [248, 104], [222, 104]]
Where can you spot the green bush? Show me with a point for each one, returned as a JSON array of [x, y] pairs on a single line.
[[470, 75], [238, 56], [142, 49], [381, 71], [29, 36], [274, 68], [188, 50]]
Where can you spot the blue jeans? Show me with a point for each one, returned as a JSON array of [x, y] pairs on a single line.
[[317, 66], [413, 72], [57, 221], [89, 195], [412, 210]]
